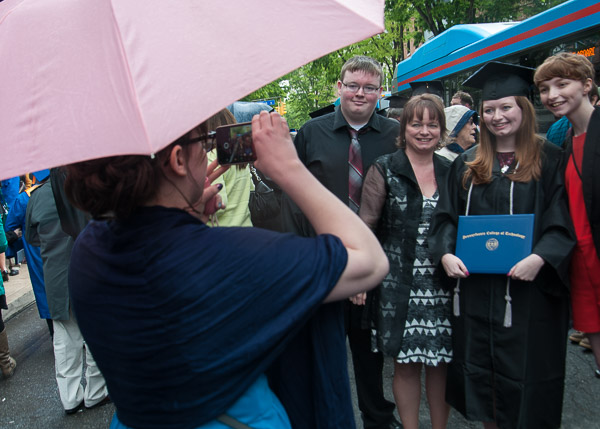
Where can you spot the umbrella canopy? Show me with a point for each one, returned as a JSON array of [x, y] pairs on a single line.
[[88, 79]]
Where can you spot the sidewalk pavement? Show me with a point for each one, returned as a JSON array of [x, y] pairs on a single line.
[[19, 293]]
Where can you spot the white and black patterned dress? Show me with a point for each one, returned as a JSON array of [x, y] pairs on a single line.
[[409, 312], [427, 332]]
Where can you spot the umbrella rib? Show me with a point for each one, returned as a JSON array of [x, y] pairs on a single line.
[[381, 25], [131, 81]]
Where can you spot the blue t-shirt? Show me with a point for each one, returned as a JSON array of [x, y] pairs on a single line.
[[182, 319], [258, 408]]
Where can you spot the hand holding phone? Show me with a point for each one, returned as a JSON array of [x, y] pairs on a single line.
[[277, 155], [211, 205]]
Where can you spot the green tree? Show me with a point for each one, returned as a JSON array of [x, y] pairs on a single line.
[[273, 90], [311, 87], [439, 15]]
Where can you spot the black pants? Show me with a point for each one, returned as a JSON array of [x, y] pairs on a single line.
[[377, 412], [4, 306]]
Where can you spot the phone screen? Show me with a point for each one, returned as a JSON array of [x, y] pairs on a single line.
[[234, 144]]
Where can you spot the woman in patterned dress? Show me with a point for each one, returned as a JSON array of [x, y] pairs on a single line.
[[410, 311]]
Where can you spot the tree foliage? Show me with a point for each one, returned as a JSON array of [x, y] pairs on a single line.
[[311, 87], [437, 16]]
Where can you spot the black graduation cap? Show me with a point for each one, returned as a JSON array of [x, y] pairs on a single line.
[[322, 111], [499, 80], [428, 87], [396, 101]]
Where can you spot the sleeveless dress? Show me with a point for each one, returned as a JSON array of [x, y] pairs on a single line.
[[427, 332]]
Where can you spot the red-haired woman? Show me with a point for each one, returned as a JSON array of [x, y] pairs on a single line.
[[565, 82]]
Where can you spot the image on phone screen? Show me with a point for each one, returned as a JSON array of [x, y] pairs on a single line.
[[234, 144]]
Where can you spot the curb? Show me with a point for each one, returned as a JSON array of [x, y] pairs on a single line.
[[18, 305]]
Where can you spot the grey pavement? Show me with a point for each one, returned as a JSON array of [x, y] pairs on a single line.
[[581, 404], [29, 400], [19, 293]]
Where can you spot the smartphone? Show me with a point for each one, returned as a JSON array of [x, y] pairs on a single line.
[[234, 144]]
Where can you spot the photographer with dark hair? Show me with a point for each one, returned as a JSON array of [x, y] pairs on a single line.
[[184, 320]]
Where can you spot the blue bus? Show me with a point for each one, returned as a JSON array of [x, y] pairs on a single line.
[[573, 26]]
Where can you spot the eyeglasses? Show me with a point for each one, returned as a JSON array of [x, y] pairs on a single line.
[[367, 89], [208, 141]]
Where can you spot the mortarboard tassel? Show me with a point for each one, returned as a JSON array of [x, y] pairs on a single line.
[[508, 308], [456, 298]]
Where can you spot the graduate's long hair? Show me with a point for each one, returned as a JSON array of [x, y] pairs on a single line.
[[528, 150]]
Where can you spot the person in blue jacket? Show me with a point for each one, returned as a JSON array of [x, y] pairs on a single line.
[[10, 190]]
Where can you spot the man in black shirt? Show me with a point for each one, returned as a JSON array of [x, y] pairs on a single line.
[[324, 145]]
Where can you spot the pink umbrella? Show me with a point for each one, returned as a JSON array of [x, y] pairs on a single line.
[[88, 79]]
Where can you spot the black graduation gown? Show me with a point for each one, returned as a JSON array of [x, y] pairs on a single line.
[[520, 370]]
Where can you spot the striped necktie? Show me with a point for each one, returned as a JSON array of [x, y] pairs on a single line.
[[355, 168]]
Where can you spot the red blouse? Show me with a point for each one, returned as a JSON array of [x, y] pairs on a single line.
[[575, 191]]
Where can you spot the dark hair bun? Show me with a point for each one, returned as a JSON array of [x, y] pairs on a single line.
[[113, 186]]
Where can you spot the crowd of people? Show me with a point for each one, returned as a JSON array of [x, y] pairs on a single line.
[[191, 326]]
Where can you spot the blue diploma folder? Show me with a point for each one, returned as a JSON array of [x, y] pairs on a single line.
[[493, 244]]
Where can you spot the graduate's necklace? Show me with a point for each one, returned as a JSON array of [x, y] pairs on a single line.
[[505, 159]]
